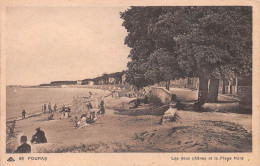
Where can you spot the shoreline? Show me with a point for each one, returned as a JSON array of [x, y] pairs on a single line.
[[18, 118]]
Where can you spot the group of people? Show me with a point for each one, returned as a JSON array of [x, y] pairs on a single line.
[[85, 119], [89, 117], [44, 108], [40, 137], [37, 138], [65, 111]]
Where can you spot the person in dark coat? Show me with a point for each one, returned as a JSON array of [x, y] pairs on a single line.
[[68, 110], [55, 108], [90, 106], [23, 114], [102, 107], [24, 147], [49, 107], [39, 137], [44, 108]]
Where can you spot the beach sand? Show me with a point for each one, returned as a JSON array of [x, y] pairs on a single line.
[[118, 132]]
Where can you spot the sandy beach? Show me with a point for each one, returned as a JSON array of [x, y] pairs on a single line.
[[121, 131]]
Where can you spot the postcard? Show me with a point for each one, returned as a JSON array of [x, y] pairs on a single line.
[[129, 83]]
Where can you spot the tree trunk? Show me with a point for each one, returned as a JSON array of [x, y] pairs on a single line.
[[224, 86], [203, 90], [167, 84], [213, 90]]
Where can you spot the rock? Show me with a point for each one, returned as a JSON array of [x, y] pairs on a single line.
[[169, 115]]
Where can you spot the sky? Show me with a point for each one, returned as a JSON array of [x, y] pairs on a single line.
[[47, 44]]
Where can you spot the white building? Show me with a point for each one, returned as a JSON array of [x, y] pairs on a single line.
[[79, 82], [91, 82]]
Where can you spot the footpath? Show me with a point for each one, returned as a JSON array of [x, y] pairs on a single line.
[[189, 95], [226, 103]]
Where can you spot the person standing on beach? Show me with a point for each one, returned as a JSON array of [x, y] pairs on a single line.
[[102, 107], [23, 114], [49, 107], [44, 108], [69, 112], [55, 108], [24, 147]]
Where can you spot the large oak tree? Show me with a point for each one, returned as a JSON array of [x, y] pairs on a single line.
[[206, 42]]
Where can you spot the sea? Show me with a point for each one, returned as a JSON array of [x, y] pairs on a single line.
[[32, 99]]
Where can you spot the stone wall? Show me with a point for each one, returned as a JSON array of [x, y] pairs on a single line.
[[192, 83], [163, 94], [245, 94]]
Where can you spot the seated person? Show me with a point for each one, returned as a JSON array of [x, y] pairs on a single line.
[[39, 137], [82, 122]]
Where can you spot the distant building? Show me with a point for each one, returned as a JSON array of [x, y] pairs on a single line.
[[101, 82], [86, 81], [123, 78], [91, 82], [111, 80], [79, 82]]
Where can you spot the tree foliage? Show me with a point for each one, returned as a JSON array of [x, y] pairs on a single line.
[[169, 42]]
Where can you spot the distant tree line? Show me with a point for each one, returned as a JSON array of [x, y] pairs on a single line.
[[172, 42], [104, 79]]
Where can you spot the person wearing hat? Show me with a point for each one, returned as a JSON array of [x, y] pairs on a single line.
[[24, 147], [39, 137]]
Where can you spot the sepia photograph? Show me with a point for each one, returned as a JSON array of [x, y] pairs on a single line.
[[128, 79]]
